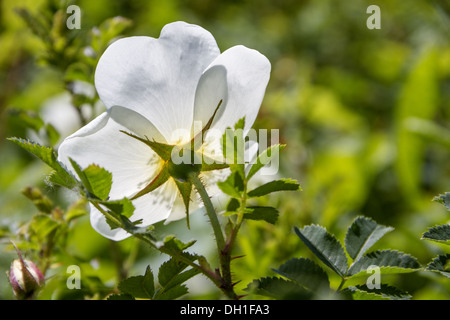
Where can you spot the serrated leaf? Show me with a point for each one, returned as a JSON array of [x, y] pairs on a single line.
[[278, 288], [305, 272], [274, 186], [48, 156], [96, 180], [440, 264], [77, 209], [268, 214], [172, 293], [42, 225], [439, 234], [171, 273], [139, 286], [233, 185], [100, 181], [362, 235], [389, 261], [385, 292], [443, 199], [122, 207], [233, 205], [325, 246], [262, 158]]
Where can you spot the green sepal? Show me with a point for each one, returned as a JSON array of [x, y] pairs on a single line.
[[233, 185], [185, 189], [305, 272], [160, 179], [161, 149], [197, 141]]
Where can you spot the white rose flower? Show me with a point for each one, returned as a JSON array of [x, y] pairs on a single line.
[[154, 89]]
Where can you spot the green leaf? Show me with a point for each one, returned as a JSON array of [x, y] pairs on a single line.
[[172, 243], [443, 199], [268, 214], [385, 292], [305, 272], [122, 207], [389, 261], [139, 286], [77, 209], [233, 205], [100, 181], [96, 180], [171, 277], [48, 156], [41, 201], [197, 141], [233, 185], [263, 157], [439, 234], [362, 235], [273, 186], [172, 293], [325, 246], [42, 225], [278, 288], [440, 264], [170, 273]]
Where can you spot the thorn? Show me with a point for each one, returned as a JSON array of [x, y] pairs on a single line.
[[235, 283], [237, 257]]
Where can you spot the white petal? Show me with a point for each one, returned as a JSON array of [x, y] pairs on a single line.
[[131, 162], [246, 73], [98, 222], [157, 77]]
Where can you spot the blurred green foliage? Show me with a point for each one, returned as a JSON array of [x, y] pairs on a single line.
[[365, 115]]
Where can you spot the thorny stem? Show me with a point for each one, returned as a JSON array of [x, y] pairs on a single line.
[[222, 247], [175, 254]]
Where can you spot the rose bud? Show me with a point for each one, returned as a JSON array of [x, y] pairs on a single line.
[[25, 278]]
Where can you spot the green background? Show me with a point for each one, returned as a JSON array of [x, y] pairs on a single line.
[[365, 115]]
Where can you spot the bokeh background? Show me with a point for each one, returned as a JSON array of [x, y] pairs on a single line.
[[365, 115]]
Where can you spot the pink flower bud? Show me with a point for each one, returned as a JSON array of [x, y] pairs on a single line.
[[25, 278]]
